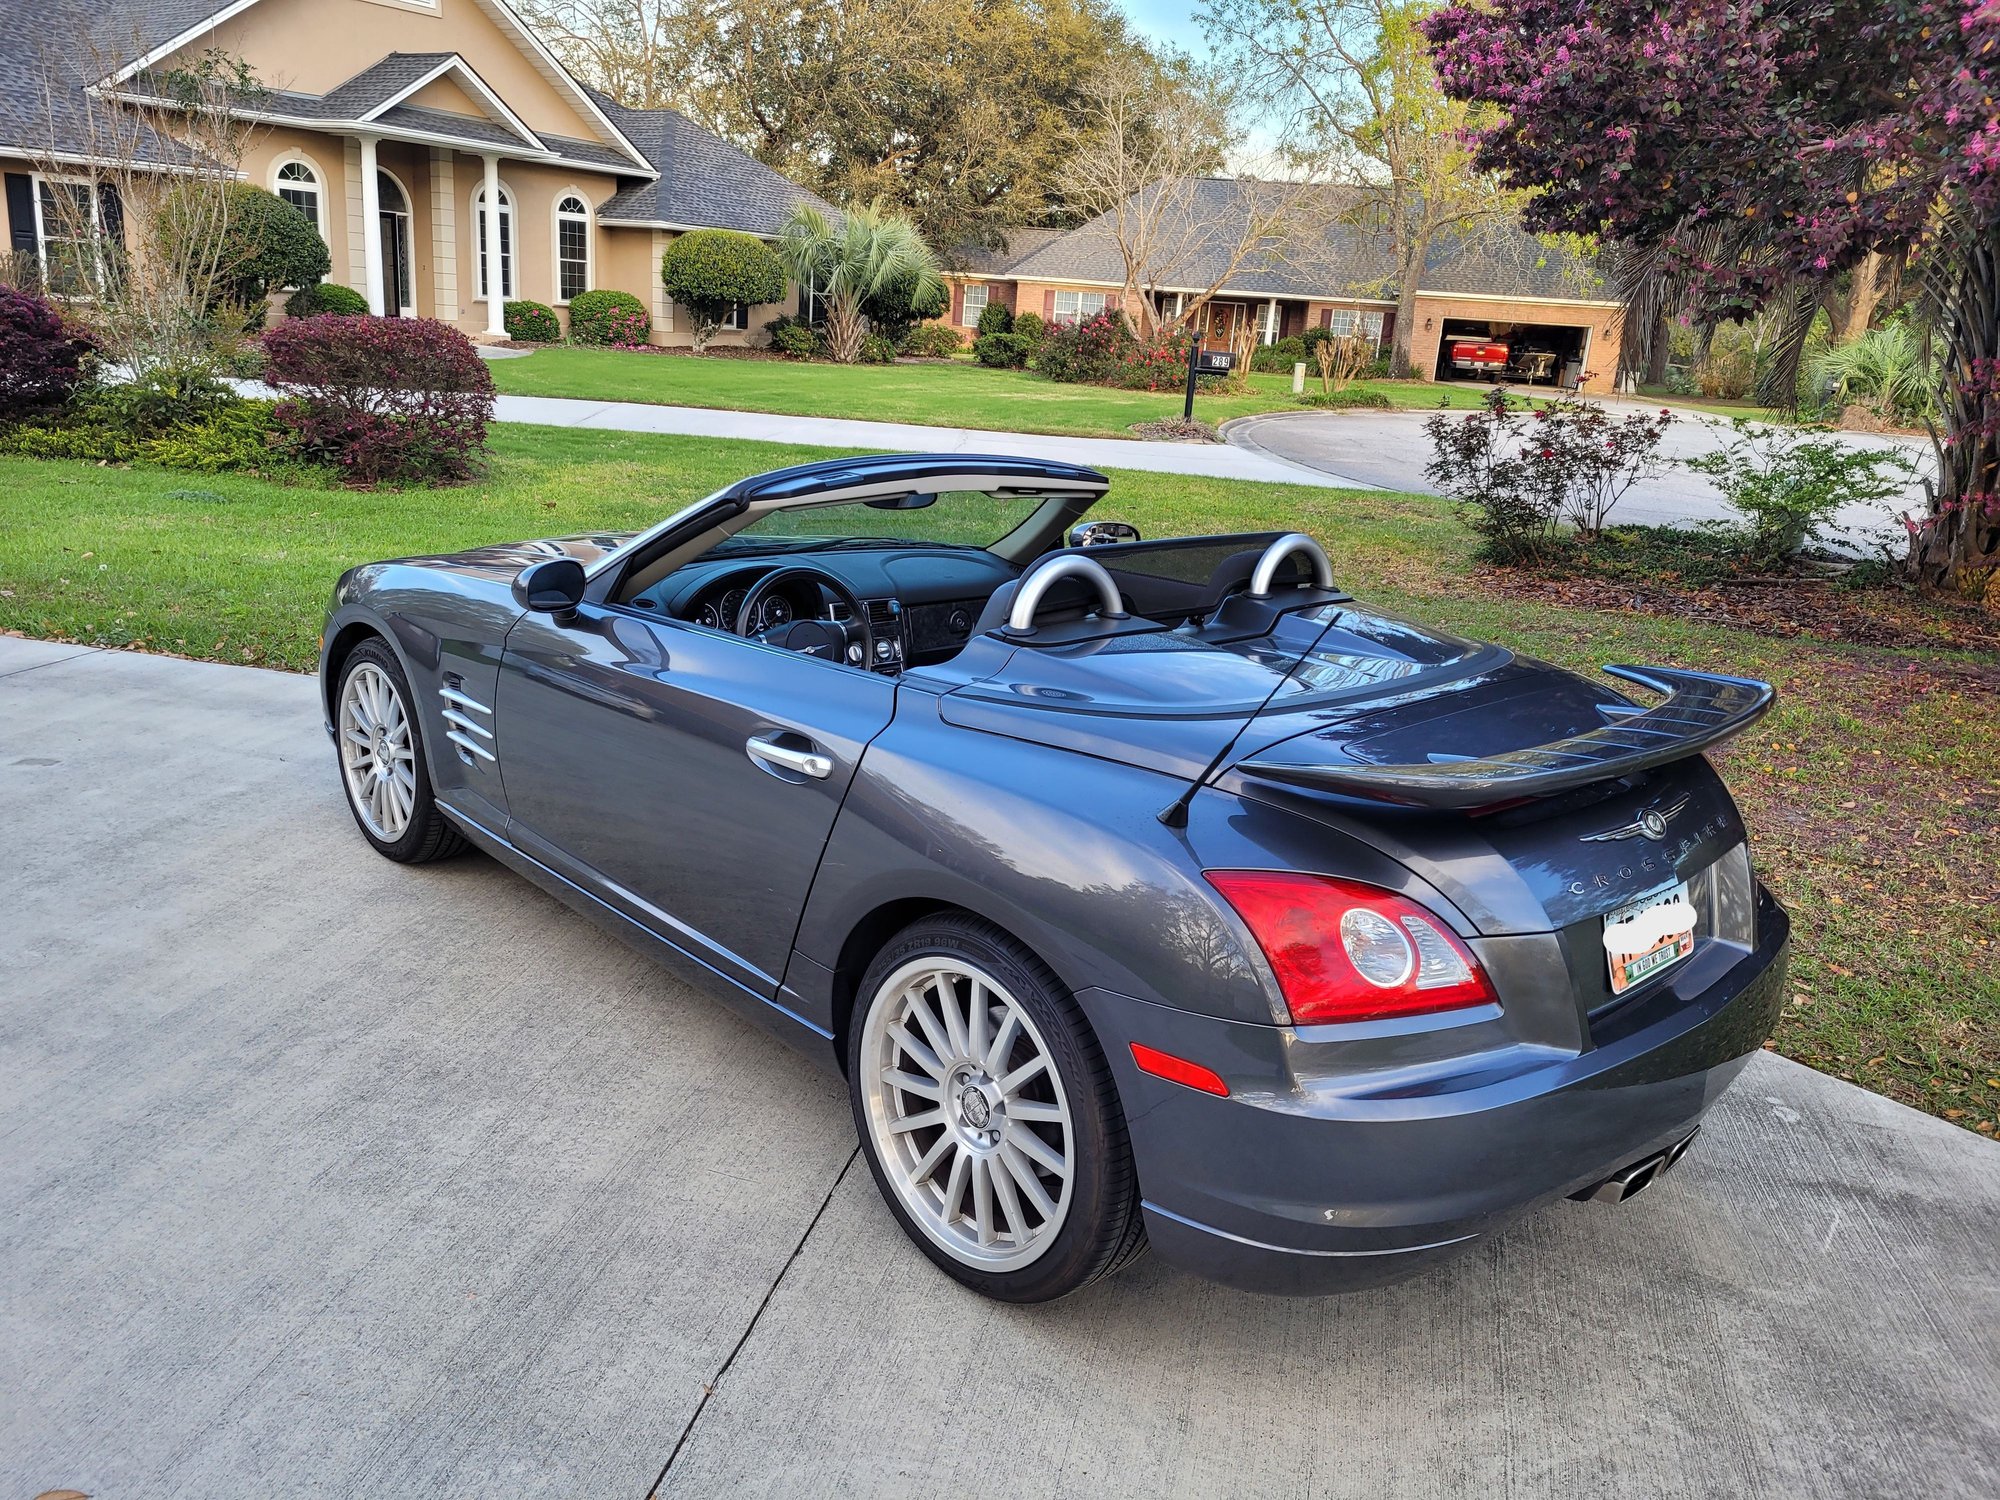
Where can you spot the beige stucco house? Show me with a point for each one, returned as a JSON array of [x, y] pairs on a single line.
[[396, 125]]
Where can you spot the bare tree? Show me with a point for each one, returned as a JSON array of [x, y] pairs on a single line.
[[1352, 85], [1142, 172], [634, 50], [136, 204]]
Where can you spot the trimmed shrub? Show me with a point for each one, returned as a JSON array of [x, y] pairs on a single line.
[[386, 400], [709, 271], [899, 307], [233, 436], [1353, 396], [324, 297], [1279, 356], [41, 360], [796, 337], [878, 349], [995, 317], [1031, 330], [932, 341], [1001, 351], [531, 323], [263, 243], [605, 317]]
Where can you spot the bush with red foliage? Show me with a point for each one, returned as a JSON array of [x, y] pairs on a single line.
[[1102, 350], [41, 357], [387, 400]]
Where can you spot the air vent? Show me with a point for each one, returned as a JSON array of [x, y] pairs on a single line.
[[467, 723]]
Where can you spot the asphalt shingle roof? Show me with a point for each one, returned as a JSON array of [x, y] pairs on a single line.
[[384, 80], [703, 179], [1343, 257], [1017, 244], [50, 49]]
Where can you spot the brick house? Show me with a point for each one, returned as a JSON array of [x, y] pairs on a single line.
[[1500, 282], [393, 125]]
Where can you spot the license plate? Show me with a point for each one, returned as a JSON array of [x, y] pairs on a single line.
[[1650, 935]]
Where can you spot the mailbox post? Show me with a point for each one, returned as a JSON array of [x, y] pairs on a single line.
[[1204, 362]]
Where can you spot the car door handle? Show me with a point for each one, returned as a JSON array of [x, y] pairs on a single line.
[[805, 762]]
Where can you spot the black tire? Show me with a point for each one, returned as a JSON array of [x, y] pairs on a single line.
[[429, 834], [1102, 1229]]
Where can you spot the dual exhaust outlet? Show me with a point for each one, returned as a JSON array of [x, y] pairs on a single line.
[[1629, 1181]]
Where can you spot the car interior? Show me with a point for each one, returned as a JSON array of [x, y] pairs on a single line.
[[882, 584]]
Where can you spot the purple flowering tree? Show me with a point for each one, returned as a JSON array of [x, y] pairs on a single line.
[[1748, 151]]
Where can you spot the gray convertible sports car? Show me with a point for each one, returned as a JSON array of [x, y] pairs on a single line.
[[1143, 891]]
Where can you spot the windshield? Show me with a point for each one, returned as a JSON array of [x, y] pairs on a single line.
[[955, 518]]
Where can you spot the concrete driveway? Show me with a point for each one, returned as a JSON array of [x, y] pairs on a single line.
[[1388, 450], [324, 1177]]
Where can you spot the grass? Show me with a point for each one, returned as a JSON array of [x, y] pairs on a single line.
[[1872, 791], [954, 394]]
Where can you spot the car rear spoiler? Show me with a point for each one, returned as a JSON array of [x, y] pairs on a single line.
[[1702, 708]]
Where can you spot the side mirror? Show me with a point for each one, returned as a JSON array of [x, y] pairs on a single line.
[[554, 586], [1102, 533]]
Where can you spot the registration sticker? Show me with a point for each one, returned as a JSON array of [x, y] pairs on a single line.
[[1650, 935]]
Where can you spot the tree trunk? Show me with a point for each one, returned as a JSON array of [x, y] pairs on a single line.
[[1658, 347], [1864, 295], [1402, 364], [843, 330], [1956, 548]]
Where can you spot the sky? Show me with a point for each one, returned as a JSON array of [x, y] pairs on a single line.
[[1166, 21]]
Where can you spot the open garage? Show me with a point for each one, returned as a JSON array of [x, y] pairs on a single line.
[[1521, 342]]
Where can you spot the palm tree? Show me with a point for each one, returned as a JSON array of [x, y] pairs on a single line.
[[868, 252]]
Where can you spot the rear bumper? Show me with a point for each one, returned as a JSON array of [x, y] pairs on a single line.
[[1306, 1184]]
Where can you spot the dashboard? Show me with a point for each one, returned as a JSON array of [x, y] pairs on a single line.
[[922, 602]]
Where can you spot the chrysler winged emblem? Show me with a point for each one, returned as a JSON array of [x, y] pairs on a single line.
[[1651, 824]]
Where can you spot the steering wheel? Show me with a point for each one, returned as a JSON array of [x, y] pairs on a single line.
[[827, 639]]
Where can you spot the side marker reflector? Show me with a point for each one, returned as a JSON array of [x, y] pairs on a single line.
[[1178, 1070]]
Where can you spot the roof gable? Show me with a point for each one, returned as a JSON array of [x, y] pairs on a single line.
[[704, 182]]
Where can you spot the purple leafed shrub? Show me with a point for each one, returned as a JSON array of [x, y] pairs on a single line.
[[41, 360], [387, 400]]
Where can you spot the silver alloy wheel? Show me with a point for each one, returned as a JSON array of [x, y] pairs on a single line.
[[967, 1113], [377, 759]]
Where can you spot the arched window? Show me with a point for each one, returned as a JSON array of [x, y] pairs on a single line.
[[572, 247], [507, 282], [298, 184]]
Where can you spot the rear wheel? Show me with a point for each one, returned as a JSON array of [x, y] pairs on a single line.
[[382, 760], [988, 1114]]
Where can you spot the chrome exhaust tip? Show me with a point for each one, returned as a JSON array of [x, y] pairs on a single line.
[[1630, 1181]]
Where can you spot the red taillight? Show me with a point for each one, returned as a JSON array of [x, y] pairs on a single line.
[[1178, 1070], [1343, 951]]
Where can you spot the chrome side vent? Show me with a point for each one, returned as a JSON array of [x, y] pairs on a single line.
[[468, 723]]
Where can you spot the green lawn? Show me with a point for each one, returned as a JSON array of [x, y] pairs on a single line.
[[1872, 789], [957, 394]]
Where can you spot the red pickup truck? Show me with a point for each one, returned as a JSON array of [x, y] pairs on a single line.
[[1479, 356]]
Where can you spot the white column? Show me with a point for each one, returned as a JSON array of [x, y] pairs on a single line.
[[1271, 321], [496, 302], [371, 227]]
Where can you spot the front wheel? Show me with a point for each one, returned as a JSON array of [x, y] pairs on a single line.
[[989, 1116], [382, 766]]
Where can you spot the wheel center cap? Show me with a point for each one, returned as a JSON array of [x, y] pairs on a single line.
[[973, 1107]]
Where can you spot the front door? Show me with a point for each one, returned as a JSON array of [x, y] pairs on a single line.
[[395, 231], [1221, 326], [626, 748]]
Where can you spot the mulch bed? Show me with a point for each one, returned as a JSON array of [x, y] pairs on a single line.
[[1793, 608]]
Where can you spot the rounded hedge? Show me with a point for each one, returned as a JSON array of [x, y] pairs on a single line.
[[41, 361], [262, 244], [721, 266], [531, 323], [324, 297], [995, 317], [605, 317]]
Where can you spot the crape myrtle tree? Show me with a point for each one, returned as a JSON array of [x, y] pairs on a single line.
[[1747, 152]]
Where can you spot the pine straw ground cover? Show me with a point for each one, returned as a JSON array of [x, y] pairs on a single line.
[[1873, 790]]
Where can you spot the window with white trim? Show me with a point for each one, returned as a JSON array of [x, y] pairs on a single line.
[[298, 184], [572, 248], [738, 319], [69, 227], [1075, 307], [1345, 322], [507, 283], [974, 305]]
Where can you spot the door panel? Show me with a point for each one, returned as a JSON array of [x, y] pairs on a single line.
[[629, 769]]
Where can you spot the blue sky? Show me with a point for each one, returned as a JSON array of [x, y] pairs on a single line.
[[1166, 21]]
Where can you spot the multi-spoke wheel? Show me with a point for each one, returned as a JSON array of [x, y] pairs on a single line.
[[382, 762], [988, 1113]]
